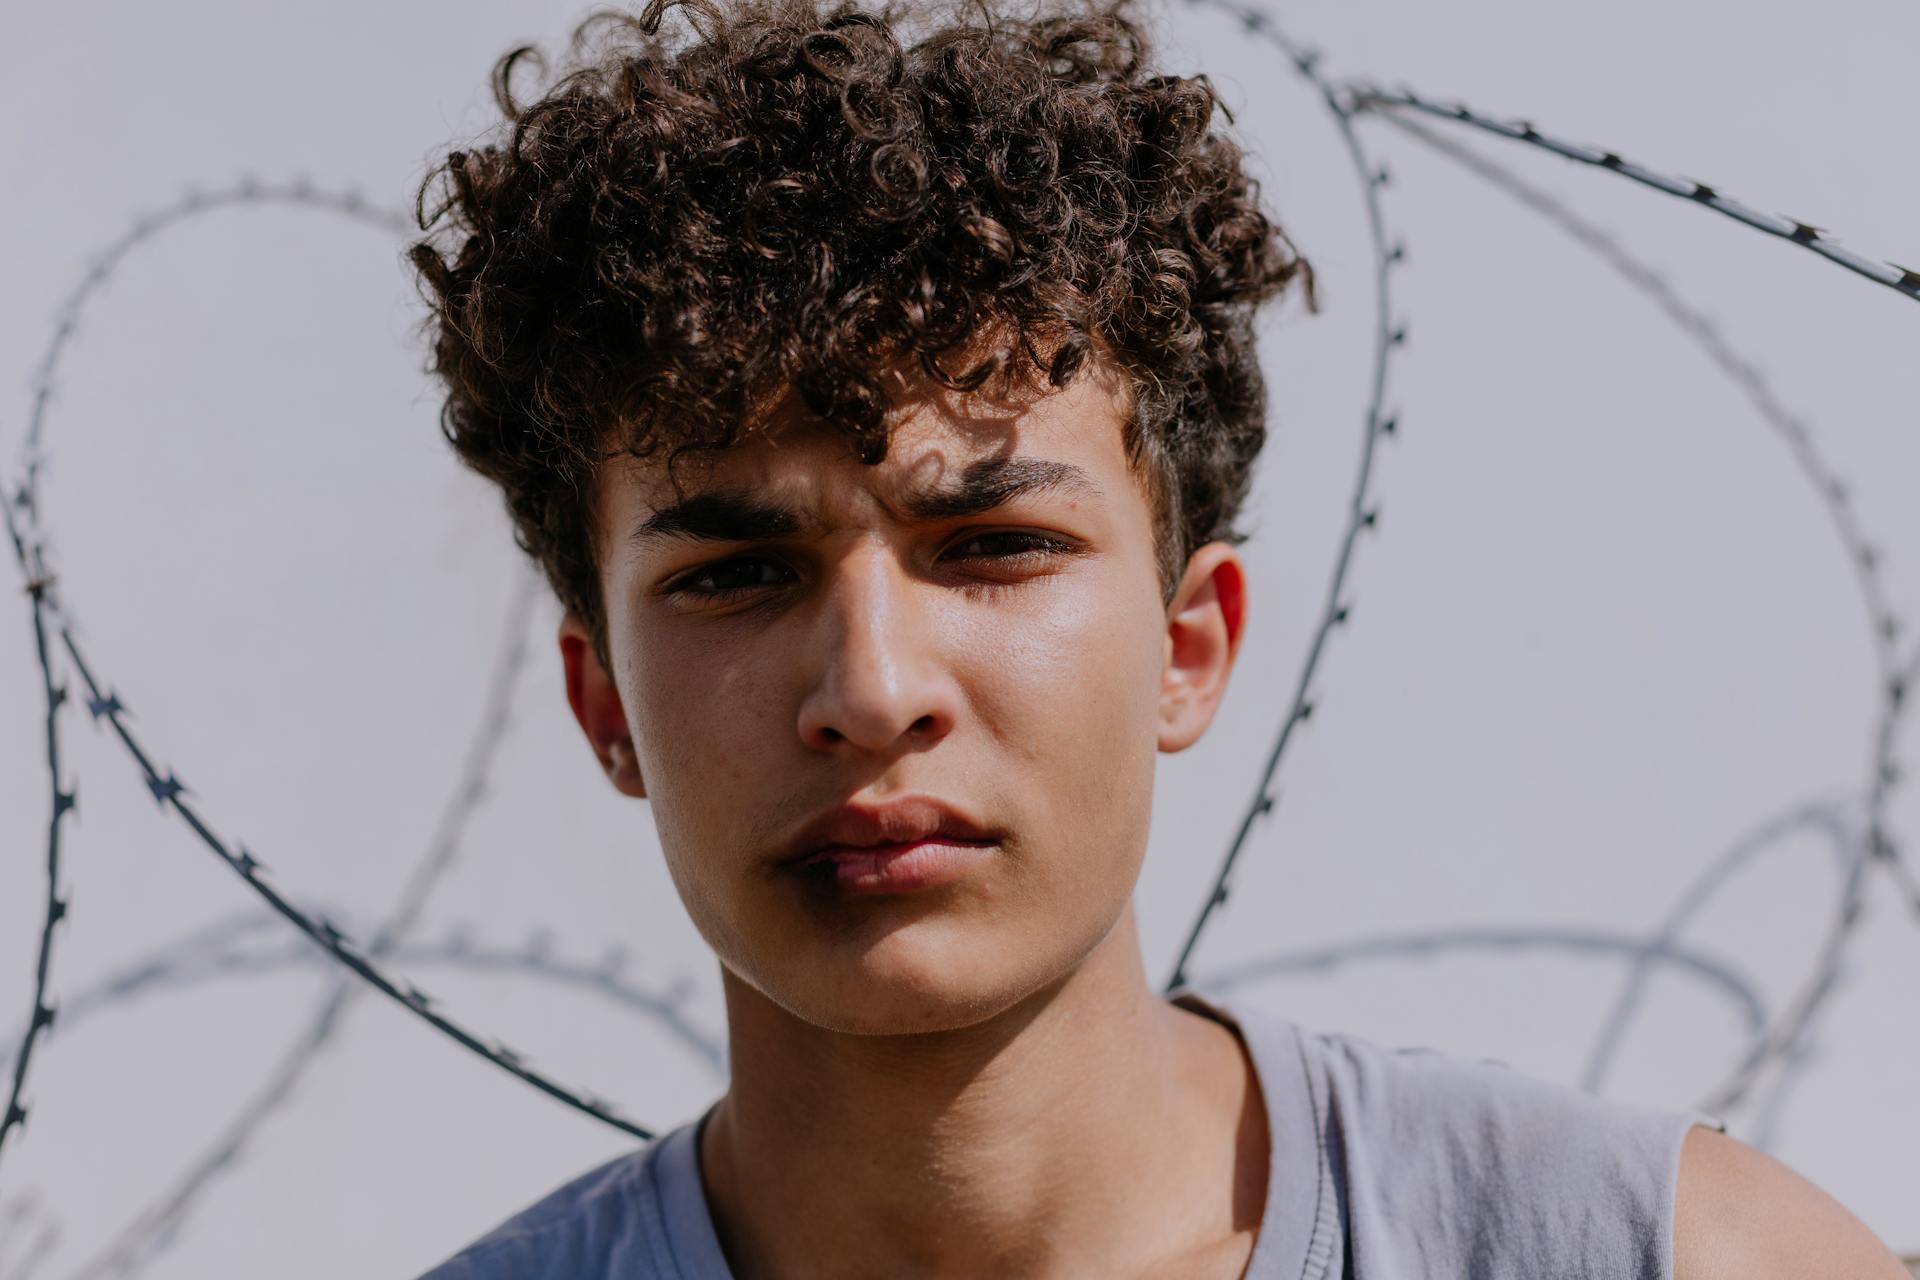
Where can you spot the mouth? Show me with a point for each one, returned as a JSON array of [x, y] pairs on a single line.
[[911, 843], [904, 867]]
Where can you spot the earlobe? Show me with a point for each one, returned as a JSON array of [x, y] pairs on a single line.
[[1205, 621], [595, 700], [623, 768]]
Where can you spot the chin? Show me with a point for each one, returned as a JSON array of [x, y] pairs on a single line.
[[927, 976]]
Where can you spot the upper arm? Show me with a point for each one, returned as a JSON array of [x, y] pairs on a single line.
[[1740, 1213]]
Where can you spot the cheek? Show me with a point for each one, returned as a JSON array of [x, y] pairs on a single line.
[[701, 717], [1068, 686]]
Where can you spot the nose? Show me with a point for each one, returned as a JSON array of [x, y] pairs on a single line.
[[878, 681]]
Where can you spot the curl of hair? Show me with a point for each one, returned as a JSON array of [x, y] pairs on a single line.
[[794, 194]]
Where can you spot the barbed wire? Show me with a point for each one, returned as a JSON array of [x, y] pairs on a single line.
[[1740, 991], [201, 949], [31, 539], [61, 802], [1778, 1037], [212, 954], [1664, 947], [196, 962], [1795, 1067], [1389, 335], [1860, 551], [138, 1243], [233, 954], [1902, 280], [1781, 1040]]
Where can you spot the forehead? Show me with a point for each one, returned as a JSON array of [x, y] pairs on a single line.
[[940, 442]]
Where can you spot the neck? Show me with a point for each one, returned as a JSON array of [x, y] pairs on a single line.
[[1091, 1128]]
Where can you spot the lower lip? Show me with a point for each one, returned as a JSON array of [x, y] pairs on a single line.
[[896, 868]]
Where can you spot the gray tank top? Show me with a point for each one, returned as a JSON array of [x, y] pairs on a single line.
[[1384, 1165]]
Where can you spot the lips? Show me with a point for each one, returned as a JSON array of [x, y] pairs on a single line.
[[893, 868], [903, 822]]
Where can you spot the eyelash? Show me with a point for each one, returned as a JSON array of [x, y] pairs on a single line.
[[1035, 548]]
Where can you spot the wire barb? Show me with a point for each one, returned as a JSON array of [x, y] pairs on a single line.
[[1366, 97], [28, 534], [1388, 338], [1781, 1043]]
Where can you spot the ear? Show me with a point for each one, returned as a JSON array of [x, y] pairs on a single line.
[[1205, 620], [596, 706]]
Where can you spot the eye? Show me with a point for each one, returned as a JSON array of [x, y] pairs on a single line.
[[737, 577], [725, 578], [1009, 545]]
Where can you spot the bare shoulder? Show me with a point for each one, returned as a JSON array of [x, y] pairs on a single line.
[[1740, 1213]]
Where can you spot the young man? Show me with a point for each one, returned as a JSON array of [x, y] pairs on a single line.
[[880, 400]]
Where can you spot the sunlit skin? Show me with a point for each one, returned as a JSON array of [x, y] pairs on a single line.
[[975, 1079], [970, 1054]]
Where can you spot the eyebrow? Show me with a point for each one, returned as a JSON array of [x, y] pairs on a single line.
[[737, 515]]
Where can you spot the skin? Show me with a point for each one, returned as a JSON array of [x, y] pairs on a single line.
[[1740, 1213], [976, 1079]]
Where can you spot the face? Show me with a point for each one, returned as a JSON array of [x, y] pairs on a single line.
[[810, 654]]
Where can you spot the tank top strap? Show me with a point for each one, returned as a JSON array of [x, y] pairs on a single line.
[[1300, 1226], [1431, 1165]]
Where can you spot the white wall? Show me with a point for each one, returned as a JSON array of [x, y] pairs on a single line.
[[1604, 629]]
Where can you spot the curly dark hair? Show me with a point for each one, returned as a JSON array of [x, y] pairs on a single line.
[[792, 198]]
